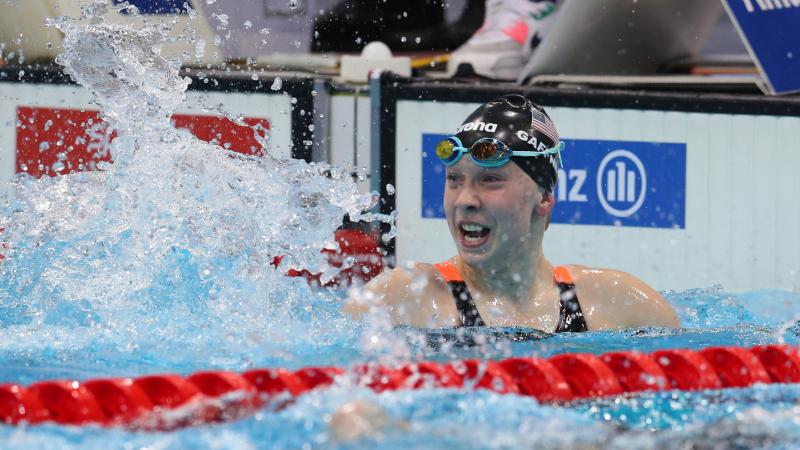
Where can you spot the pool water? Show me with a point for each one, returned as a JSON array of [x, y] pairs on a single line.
[[160, 262], [763, 416]]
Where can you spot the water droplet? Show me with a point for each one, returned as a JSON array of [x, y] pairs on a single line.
[[222, 202], [199, 48], [223, 20], [248, 24], [277, 84]]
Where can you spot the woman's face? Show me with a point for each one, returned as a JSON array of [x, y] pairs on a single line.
[[489, 210]]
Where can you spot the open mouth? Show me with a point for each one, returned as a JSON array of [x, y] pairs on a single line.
[[473, 234]]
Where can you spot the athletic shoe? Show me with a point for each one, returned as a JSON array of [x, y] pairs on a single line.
[[501, 47]]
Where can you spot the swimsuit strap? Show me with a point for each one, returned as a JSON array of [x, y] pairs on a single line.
[[570, 315], [468, 315]]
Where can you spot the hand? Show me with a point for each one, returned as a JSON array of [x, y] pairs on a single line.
[[357, 419]]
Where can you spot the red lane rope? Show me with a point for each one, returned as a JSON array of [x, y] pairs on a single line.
[[171, 401]]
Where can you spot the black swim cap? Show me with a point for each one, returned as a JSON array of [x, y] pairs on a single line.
[[522, 125]]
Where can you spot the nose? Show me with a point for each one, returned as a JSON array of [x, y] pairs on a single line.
[[467, 198]]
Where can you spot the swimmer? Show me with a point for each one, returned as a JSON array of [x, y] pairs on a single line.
[[360, 419], [501, 169]]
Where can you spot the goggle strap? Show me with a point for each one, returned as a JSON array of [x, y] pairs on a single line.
[[556, 150], [550, 151]]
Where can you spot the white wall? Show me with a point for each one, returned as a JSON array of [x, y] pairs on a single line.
[[348, 143]]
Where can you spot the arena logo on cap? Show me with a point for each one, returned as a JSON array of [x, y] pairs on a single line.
[[477, 126], [616, 183]]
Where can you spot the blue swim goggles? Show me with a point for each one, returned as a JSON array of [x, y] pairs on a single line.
[[487, 152]]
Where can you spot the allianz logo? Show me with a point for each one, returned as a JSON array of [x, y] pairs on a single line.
[[621, 184], [769, 5]]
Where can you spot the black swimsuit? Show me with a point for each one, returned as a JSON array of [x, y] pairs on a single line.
[[570, 315]]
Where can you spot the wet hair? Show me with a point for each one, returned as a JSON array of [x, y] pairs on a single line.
[[522, 125]]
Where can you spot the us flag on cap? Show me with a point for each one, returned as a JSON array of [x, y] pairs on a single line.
[[541, 122]]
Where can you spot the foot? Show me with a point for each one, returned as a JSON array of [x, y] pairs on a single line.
[[501, 47]]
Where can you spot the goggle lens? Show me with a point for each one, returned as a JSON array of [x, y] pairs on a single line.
[[486, 151], [445, 150]]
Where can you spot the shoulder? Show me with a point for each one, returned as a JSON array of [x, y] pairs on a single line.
[[414, 295], [397, 284], [612, 299]]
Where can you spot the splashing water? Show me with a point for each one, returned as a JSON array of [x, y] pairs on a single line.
[[162, 261], [167, 251]]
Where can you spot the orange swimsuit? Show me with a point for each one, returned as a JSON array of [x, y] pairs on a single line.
[[570, 315]]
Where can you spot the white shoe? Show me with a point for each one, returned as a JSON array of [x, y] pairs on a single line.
[[502, 46]]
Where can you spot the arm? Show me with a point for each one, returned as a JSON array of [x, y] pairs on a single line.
[[374, 293], [413, 297], [611, 299]]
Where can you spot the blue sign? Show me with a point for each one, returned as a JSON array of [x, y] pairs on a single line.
[[771, 28], [158, 6], [619, 183]]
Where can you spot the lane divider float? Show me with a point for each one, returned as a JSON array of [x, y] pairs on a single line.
[[170, 401]]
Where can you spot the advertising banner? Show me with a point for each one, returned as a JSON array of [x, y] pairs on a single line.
[[613, 183], [159, 6], [53, 141], [55, 129], [771, 31]]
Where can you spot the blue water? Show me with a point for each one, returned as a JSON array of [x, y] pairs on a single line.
[[160, 263], [757, 417]]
